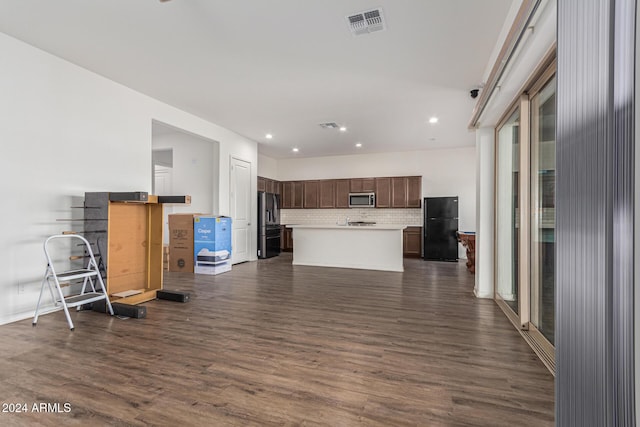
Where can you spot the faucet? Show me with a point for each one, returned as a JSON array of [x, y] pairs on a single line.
[[346, 221]]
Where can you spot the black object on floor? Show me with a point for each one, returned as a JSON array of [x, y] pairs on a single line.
[[178, 296], [119, 309]]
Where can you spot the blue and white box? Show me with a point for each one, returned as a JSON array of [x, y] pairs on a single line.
[[211, 244]]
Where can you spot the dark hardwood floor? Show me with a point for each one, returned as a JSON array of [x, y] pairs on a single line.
[[272, 344]]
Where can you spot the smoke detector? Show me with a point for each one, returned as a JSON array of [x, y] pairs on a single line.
[[366, 22], [330, 125]]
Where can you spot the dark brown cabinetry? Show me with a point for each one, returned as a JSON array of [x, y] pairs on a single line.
[[297, 194], [398, 192], [391, 192], [383, 192], [327, 196], [291, 194], [286, 239], [362, 185], [414, 191], [269, 185], [412, 242], [311, 190], [286, 197], [406, 192], [343, 187]]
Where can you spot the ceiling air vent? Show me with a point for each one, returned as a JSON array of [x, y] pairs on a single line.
[[329, 125], [366, 22]]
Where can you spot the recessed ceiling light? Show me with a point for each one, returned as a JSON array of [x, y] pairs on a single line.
[[343, 129], [358, 145], [295, 150], [433, 120], [268, 136]]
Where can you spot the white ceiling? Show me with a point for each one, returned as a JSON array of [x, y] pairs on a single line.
[[284, 66]]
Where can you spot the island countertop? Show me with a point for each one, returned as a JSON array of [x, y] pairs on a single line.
[[350, 227], [369, 247]]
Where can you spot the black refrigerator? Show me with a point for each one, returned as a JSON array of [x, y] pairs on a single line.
[[268, 225], [440, 228]]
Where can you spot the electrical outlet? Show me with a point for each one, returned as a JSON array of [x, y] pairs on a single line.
[[20, 288]]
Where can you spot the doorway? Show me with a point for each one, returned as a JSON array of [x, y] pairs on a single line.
[[184, 164]]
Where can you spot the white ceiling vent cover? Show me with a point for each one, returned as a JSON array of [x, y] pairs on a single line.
[[366, 22]]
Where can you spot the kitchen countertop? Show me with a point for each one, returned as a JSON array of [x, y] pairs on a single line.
[[350, 227], [370, 247]]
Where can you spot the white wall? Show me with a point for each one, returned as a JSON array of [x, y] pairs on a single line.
[[192, 172], [267, 167], [65, 130], [445, 172]]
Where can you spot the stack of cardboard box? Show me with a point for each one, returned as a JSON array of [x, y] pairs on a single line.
[[199, 243]]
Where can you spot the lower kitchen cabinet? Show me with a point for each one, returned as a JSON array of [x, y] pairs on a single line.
[[412, 242], [286, 239]]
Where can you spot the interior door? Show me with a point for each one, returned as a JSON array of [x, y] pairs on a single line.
[[241, 197]]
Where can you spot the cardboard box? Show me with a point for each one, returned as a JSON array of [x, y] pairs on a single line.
[[181, 242], [212, 244]]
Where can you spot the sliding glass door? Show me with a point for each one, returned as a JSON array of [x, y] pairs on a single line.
[[508, 184], [543, 183], [525, 214]]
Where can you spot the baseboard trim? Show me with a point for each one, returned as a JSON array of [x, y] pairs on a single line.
[[28, 315], [484, 295]]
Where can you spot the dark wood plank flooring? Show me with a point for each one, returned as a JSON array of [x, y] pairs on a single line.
[[273, 344]]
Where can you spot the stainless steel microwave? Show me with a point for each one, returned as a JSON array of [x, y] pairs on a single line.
[[362, 200]]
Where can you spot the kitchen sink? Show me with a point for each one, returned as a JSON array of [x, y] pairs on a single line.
[[360, 223]]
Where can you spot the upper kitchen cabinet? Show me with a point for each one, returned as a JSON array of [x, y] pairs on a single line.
[[291, 195], [297, 194], [343, 188], [414, 191], [327, 197], [270, 186], [383, 192], [311, 191], [286, 195], [363, 185], [406, 192], [398, 192]]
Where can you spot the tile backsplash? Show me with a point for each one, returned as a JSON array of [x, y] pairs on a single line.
[[410, 217]]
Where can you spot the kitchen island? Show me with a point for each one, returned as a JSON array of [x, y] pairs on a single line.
[[374, 247]]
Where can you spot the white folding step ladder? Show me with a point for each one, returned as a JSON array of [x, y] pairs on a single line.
[[90, 275]]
